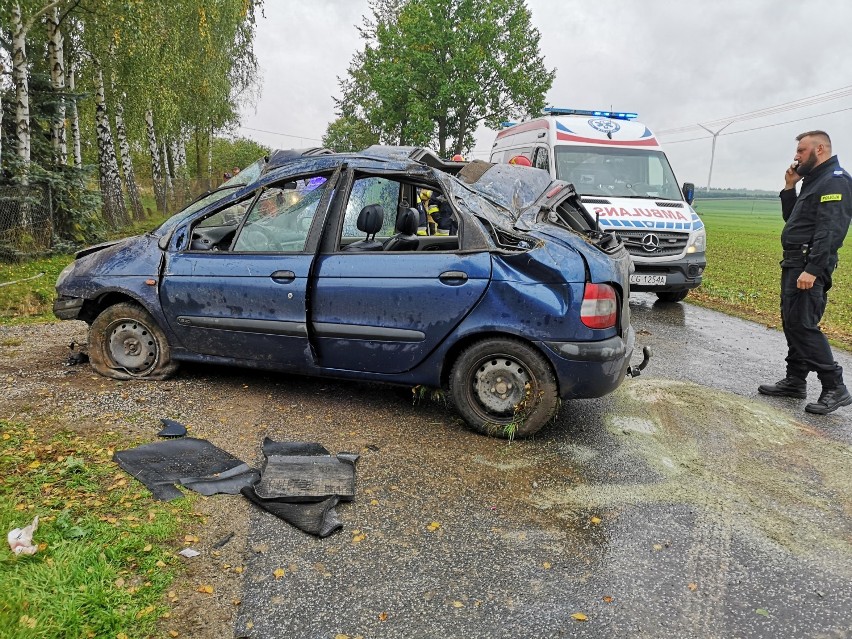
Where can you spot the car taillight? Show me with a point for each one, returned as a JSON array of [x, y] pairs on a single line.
[[600, 306]]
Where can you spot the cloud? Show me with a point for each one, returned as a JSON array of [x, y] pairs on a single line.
[[675, 63]]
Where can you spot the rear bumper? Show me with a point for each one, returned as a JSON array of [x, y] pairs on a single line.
[[681, 275], [591, 369]]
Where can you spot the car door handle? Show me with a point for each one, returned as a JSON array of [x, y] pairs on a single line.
[[283, 277], [453, 278]]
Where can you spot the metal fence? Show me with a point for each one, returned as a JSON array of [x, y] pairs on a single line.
[[31, 220], [26, 220]]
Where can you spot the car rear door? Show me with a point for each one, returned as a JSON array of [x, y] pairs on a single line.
[[385, 312]]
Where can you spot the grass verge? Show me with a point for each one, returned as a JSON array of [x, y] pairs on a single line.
[[104, 561], [743, 275], [30, 299]]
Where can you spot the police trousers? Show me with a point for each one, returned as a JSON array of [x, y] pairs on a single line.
[[801, 311]]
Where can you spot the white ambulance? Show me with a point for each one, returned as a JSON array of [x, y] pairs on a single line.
[[624, 178]]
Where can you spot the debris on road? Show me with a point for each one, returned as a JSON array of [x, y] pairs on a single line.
[[21, 539], [171, 428], [300, 482], [194, 463]]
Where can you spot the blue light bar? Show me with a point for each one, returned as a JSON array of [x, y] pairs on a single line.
[[615, 115], [506, 125]]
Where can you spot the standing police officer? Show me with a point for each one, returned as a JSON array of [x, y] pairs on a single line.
[[816, 223]]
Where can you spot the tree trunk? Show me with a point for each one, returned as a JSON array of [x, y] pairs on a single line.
[[74, 116], [115, 211], [463, 127], [198, 152], [442, 137], [210, 158], [56, 58], [127, 162], [167, 173], [156, 166], [22, 89]]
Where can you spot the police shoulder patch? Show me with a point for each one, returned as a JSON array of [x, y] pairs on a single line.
[[838, 173], [832, 197]]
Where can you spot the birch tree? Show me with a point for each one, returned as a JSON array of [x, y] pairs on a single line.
[[110, 180], [56, 61], [21, 22]]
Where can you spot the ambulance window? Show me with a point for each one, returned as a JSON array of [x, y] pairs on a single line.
[[542, 159], [655, 172]]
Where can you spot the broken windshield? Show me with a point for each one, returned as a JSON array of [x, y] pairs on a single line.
[[617, 172]]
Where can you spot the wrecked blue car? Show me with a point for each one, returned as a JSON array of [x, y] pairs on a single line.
[[509, 297]]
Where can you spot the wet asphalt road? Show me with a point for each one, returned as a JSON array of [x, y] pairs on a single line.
[[683, 505]]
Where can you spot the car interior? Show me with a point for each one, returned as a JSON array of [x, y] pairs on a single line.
[[381, 214]]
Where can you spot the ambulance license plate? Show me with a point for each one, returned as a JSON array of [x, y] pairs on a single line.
[[648, 280]]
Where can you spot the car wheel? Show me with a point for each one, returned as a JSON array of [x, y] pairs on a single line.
[[670, 298], [126, 343], [503, 387]]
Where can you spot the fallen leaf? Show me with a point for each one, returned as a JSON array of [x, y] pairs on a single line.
[[762, 611], [458, 604], [579, 616], [433, 526], [279, 572], [359, 538], [148, 548], [595, 520], [206, 588], [607, 599], [383, 616], [174, 633], [692, 587], [657, 547], [546, 565]]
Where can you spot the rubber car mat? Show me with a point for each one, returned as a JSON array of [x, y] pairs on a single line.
[[319, 518], [161, 465], [305, 472], [229, 482]]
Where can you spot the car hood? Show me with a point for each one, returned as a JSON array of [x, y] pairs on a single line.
[[136, 255]]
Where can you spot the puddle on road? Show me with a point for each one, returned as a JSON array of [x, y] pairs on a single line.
[[763, 473]]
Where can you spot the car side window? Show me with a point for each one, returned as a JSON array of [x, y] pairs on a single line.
[[367, 191], [280, 219], [216, 232]]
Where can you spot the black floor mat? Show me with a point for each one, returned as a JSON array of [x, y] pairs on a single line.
[[302, 483], [195, 463]]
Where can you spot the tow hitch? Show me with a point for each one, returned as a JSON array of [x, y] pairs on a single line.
[[636, 371]]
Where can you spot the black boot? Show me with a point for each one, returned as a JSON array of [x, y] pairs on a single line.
[[787, 387], [830, 400]]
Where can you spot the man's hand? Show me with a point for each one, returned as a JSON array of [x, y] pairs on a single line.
[[791, 178], [805, 281]]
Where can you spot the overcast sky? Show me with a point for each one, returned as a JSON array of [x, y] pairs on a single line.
[[676, 63]]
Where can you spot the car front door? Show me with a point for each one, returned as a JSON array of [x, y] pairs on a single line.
[[247, 301]]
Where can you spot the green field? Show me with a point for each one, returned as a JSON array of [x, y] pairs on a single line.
[[742, 277]]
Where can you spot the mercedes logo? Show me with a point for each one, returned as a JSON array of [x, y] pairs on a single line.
[[650, 242]]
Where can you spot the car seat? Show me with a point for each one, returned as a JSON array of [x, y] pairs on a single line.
[[406, 232], [370, 221]]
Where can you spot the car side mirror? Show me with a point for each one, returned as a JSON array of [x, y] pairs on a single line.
[[688, 192]]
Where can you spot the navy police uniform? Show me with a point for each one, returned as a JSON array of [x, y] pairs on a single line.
[[816, 223]]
